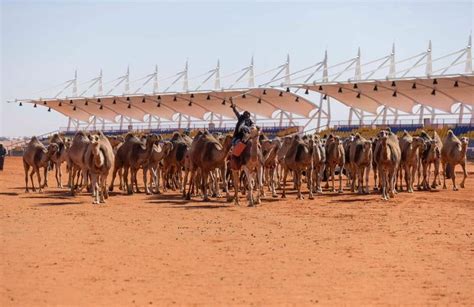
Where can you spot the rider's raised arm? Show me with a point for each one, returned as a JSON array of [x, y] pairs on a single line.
[[235, 111]]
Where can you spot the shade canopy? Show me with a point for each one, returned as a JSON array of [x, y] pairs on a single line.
[[264, 102], [440, 92]]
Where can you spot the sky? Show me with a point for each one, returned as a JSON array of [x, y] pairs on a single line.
[[44, 42]]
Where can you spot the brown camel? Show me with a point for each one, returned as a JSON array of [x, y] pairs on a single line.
[[431, 155], [319, 163], [133, 155], [37, 156], [207, 154], [60, 156], [387, 155], [335, 156], [299, 158], [270, 150], [360, 162], [173, 163], [99, 158], [159, 151], [121, 156], [410, 159], [76, 164], [453, 153], [250, 162], [285, 145], [346, 144]]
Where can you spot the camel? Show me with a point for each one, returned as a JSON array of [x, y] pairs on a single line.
[[121, 153], [60, 156], [346, 144], [410, 148], [431, 155], [270, 150], [334, 157], [360, 162], [299, 158], [99, 158], [159, 151], [319, 163], [37, 156], [285, 145], [387, 155], [76, 164], [174, 162], [116, 141], [251, 163], [207, 154], [453, 153], [132, 155]]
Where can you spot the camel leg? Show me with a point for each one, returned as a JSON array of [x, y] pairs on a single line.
[[45, 173], [249, 176], [31, 178], [382, 182], [340, 181], [410, 176], [333, 174], [425, 175], [38, 175], [360, 180], [367, 174], [298, 183], [114, 173], [463, 165], [260, 192], [27, 168], [145, 181], [95, 190], [185, 182], [436, 174], [455, 188], [235, 179], [285, 174], [125, 179], [272, 183], [309, 175], [224, 181], [376, 187], [158, 179], [205, 176], [105, 191], [56, 175], [392, 176]]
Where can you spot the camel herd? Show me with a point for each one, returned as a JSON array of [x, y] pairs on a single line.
[[205, 166]]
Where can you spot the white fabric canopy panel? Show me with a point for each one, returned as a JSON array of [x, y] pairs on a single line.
[[262, 102], [440, 92]]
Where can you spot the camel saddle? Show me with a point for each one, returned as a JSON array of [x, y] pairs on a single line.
[[238, 149]]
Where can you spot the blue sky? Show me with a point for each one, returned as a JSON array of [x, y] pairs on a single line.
[[42, 43]]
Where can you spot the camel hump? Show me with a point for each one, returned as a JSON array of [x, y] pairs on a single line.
[[34, 139]]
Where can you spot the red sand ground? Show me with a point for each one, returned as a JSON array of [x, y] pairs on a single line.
[[161, 250]]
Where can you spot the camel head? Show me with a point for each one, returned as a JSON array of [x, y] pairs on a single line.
[[254, 132], [152, 139], [167, 147], [53, 148], [418, 142], [464, 143], [367, 145], [95, 144]]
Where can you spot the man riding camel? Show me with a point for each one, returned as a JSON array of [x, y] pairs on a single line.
[[244, 123]]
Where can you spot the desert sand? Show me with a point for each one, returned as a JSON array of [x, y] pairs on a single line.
[[417, 249]]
